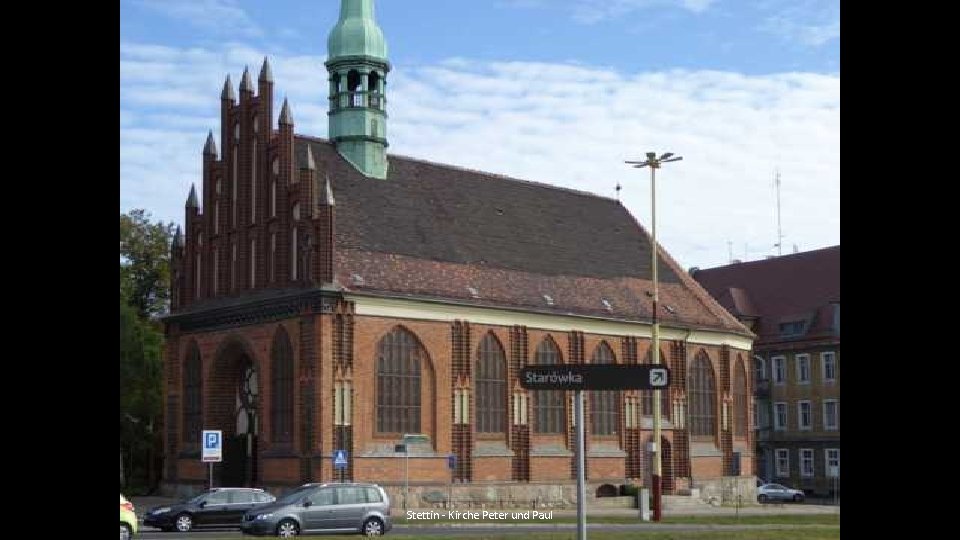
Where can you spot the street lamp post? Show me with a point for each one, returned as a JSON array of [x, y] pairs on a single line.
[[655, 163]]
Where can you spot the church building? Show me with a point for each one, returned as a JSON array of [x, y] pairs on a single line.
[[329, 295]]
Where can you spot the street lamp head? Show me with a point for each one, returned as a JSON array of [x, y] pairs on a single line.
[[666, 155]]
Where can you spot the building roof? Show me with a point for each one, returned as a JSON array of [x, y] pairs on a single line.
[[788, 289], [441, 232]]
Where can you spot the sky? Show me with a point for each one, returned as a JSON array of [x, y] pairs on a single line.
[[556, 91]]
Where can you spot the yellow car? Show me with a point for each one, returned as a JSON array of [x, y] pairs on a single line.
[[128, 519]]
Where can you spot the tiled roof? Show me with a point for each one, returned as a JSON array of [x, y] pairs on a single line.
[[437, 231], [792, 288]]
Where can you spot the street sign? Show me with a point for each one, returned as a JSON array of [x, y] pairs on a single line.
[[595, 377], [212, 446], [452, 462], [340, 459]]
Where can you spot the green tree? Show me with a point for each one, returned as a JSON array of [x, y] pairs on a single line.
[[145, 262], [144, 293]]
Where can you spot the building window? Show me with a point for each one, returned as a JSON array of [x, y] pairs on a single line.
[[701, 393], [806, 462], [293, 254], [761, 366], [192, 410], [216, 271], [779, 369], [253, 264], [740, 400], [803, 368], [273, 257], [253, 179], [804, 420], [233, 266], [604, 404], [399, 356], [234, 181], [491, 382], [830, 416], [273, 198], [780, 416], [782, 462], [828, 365], [197, 276], [833, 462], [281, 390], [792, 328], [549, 407]]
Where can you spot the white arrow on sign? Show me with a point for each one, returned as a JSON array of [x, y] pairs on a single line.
[[658, 377]]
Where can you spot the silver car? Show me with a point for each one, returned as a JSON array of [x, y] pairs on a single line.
[[777, 492], [316, 508]]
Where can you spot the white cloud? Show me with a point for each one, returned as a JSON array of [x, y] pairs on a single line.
[[810, 22], [567, 125], [224, 16], [592, 11]]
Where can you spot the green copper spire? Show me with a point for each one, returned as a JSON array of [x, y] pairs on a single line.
[[357, 33], [357, 63]]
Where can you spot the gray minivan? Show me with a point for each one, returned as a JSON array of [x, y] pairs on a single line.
[[321, 508]]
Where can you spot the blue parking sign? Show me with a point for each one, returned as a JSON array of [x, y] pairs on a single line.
[[452, 461], [340, 459], [212, 445]]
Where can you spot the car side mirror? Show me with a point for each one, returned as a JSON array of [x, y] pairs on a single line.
[[202, 504], [307, 503]]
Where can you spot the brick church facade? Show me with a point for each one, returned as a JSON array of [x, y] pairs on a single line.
[[331, 296]]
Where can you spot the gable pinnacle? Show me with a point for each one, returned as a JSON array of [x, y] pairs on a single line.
[[210, 148], [266, 74], [228, 90], [192, 198], [177, 238], [285, 116], [246, 84]]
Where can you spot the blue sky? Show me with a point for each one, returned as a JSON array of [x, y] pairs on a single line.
[[559, 91]]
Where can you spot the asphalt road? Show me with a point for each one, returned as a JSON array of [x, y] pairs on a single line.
[[148, 533]]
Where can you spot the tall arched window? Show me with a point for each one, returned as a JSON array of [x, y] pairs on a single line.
[[604, 404], [491, 381], [192, 411], [740, 400], [701, 393], [399, 357], [281, 388], [548, 405]]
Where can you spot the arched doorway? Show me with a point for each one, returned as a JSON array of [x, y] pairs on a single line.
[[234, 397]]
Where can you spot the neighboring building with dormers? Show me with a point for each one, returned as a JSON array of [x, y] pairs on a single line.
[[792, 303], [331, 296]]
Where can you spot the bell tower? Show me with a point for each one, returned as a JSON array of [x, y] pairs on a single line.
[[357, 64]]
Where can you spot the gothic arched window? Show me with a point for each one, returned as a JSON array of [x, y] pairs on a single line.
[[548, 405], [701, 393], [281, 388], [491, 381], [604, 404], [740, 400], [192, 411], [398, 383]]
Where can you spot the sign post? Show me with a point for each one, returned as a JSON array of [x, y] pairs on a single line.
[[212, 449], [580, 377], [452, 465], [340, 462]]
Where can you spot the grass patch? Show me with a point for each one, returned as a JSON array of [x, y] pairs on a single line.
[[791, 534], [773, 519]]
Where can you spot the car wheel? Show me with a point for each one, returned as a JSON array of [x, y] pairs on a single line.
[[372, 527], [287, 529], [125, 532], [184, 522], [763, 498], [798, 498]]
